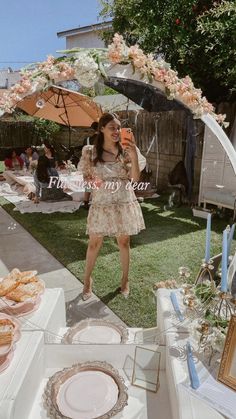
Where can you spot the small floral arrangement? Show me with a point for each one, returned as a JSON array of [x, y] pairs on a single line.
[[69, 166], [170, 284], [208, 337], [88, 65]]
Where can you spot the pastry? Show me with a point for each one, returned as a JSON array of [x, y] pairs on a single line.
[[25, 276], [7, 285], [13, 274], [6, 331], [27, 279], [25, 291]]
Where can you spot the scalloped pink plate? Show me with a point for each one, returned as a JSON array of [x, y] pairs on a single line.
[[21, 308], [87, 395], [5, 349], [5, 362]]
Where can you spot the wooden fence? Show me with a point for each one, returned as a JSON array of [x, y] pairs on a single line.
[[167, 131]]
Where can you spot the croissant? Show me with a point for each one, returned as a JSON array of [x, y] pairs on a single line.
[[25, 291], [7, 285]]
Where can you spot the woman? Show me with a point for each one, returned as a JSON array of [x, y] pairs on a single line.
[[114, 210], [46, 190], [29, 156], [13, 162]]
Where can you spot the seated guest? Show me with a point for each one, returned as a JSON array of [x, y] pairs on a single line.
[[28, 156], [90, 140], [46, 190], [12, 161]]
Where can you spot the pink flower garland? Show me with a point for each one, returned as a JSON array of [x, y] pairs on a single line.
[[53, 70], [176, 88]]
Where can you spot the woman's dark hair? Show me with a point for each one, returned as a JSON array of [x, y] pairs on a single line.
[[42, 169], [50, 147], [10, 152], [103, 121], [94, 125]]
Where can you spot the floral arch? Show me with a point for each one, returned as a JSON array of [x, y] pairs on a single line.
[[122, 62]]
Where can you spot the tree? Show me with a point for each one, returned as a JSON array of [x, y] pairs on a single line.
[[195, 37], [45, 129]]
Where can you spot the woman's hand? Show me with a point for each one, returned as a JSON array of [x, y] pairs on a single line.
[[130, 148]]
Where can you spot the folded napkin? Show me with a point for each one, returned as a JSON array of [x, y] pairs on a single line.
[[176, 306], [193, 375]]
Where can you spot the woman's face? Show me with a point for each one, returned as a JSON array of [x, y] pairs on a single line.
[[47, 150], [111, 131], [13, 154], [29, 151]]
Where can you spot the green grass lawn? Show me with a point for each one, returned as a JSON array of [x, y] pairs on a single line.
[[171, 239]]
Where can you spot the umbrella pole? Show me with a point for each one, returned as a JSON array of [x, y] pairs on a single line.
[[69, 136]]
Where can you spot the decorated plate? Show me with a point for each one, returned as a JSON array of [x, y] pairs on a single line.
[[15, 308], [5, 362], [96, 331], [17, 326], [90, 390]]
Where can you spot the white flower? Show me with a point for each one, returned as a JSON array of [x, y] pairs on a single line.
[[184, 271], [217, 340], [86, 70]]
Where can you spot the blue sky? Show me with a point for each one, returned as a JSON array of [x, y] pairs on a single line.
[[28, 28]]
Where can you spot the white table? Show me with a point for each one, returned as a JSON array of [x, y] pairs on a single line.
[[50, 315], [141, 404], [167, 320], [184, 404], [72, 182], [17, 384]]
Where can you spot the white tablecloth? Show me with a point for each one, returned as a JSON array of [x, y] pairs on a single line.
[[71, 182], [17, 383], [50, 316], [167, 320], [19, 184], [175, 334]]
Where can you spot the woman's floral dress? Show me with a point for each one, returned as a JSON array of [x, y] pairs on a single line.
[[114, 209]]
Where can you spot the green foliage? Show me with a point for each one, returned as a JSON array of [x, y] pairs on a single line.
[[205, 292], [195, 37], [108, 91], [94, 91], [216, 321], [171, 239], [45, 129]]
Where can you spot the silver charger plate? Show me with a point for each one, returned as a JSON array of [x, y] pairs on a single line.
[[59, 387], [96, 331]]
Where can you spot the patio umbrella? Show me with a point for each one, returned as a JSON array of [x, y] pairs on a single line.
[[153, 99], [145, 95], [62, 106]]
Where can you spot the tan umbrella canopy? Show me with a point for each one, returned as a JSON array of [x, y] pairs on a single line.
[[62, 106]]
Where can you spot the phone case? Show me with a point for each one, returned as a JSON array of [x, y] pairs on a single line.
[[125, 134]]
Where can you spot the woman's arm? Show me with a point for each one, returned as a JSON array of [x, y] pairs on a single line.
[[8, 163], [21, 162], [131, 150]]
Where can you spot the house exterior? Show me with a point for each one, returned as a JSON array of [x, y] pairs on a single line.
[[8, 77], [85, 36]]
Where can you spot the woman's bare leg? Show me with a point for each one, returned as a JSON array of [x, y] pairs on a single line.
[[124, 246], [94, 245]]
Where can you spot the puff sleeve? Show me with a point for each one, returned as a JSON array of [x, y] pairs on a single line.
[[85, 165]]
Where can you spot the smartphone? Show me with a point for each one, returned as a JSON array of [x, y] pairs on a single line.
[[125, 134]]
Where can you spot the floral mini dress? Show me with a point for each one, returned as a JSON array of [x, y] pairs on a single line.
[[114, 210]]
